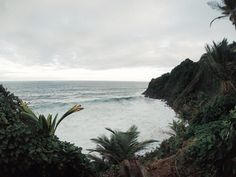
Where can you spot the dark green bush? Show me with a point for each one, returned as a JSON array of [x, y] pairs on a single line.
[[25, 152], [214, 147], [215, 109], [205, 148]]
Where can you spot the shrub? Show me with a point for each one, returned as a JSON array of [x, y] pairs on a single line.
[[171, 145], [25, 152], [214, 148], [215, 109]]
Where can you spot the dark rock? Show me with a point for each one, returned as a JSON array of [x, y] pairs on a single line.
[[187, 84]]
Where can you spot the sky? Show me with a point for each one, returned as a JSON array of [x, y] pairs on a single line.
[[122, 40]]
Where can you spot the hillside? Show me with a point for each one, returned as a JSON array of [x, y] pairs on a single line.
[[202, 141], [192, 83]]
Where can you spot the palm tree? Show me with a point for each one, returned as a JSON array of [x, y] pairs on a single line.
[[48, 125], [121, 148], [227, 8], [220, 57]]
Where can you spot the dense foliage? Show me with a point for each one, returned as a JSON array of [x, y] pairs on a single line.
[[213, 148], [27, 152], [206, 146], [203, 141], [118, 153], [215, 109], [220, 58], [120, 146], [190, 85]]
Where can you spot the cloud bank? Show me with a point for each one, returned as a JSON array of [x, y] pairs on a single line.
[[94, 36]]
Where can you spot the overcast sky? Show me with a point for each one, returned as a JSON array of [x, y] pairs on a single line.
[[103, 39]]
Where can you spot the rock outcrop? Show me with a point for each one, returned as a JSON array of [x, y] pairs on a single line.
[[189, 83]]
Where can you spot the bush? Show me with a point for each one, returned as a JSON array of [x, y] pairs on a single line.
[[206, 148], [25, 152], [214, 148], [215, 109], [171, 145]]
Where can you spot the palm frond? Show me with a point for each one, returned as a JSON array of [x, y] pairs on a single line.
[[227, 8], [110, 130], [217, 18], [120, 145], [49, 124], [26, 111], [72, 110]]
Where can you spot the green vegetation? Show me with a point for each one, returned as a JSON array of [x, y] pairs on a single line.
[[26, 152], [190, 86], [170, 146], [227, 8], [212, 151], [202, 142], [120, 146], [119, 149], [220, 56], [206, 147], [47, 125]]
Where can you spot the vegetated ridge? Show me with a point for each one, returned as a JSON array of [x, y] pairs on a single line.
[[190, 84], [202, 142]]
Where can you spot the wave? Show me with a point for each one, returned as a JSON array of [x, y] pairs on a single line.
[[113, 99], [58, 103]]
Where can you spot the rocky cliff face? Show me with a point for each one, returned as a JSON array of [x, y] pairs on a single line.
[[189, 84]]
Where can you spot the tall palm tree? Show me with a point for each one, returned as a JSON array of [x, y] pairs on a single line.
[[220, 57], [227, 8]]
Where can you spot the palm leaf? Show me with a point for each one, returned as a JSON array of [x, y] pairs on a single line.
[[227, 8], [47, 125], [217, 18], [26, 111], [120, 145], [74, 109]]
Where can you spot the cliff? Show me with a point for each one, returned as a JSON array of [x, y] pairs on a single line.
[[192, 83], [202, 142]]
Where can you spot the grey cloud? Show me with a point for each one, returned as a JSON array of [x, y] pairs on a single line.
[[104, 34]]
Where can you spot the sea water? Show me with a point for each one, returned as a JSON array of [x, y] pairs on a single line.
[[116, 105]]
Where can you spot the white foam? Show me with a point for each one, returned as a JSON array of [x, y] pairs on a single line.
[[151, 116]]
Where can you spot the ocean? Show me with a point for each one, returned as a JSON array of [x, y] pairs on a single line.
[[116, 105]]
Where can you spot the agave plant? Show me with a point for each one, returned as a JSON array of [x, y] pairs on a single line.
[[219, 58], [120, 146], [227, 8], [48, 125]]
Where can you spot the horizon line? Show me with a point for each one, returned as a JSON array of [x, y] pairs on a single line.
[[73, 81]]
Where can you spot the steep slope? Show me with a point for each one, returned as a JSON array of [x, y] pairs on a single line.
[[202, 142], [189, 84]]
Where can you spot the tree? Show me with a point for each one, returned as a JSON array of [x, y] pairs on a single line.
[[121, 148], [227, 8], [220, 58]]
